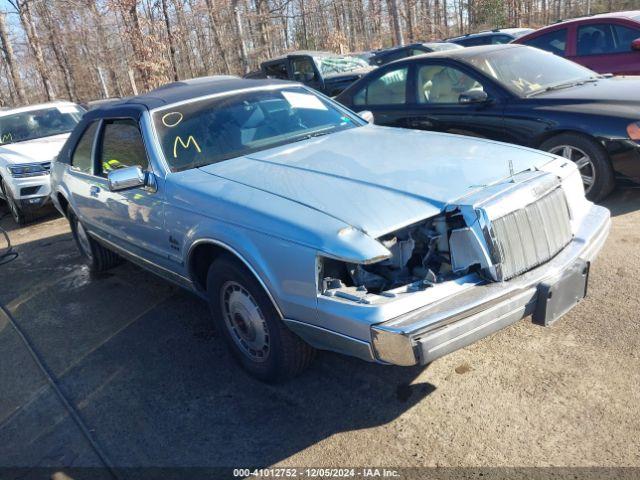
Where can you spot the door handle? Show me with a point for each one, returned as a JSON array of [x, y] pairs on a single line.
[[94, 191]]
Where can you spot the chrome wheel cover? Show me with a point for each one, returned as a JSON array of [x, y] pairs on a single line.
[[583, 162], [245, 321], [83, 240]]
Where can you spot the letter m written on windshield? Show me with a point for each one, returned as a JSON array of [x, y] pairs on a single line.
[[190, 141]]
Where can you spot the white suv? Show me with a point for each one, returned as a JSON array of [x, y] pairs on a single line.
[[30, 138]]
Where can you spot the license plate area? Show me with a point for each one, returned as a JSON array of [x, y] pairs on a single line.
[[558, 297]]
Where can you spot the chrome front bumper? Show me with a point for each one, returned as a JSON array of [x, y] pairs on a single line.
[[428, 333]]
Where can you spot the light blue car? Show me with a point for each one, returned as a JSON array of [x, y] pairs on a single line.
[[305, 227]]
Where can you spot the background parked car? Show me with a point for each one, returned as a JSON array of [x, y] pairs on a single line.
[[30, 138], [606, 43], [92, 104], [382, 57], [489, 37], [324, 71], [515, 94]]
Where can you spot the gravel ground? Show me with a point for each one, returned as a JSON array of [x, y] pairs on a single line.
[[155, 386]]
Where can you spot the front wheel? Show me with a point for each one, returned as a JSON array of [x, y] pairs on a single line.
[[251, 325], [20, 217], [590, 158]]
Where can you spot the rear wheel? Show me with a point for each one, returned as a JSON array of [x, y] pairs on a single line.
[[95, 255], [590, 158], [251, 325]]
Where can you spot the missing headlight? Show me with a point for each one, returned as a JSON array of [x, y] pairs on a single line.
[[420, 258]]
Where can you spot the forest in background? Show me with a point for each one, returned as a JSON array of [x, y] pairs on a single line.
[[86, 49]]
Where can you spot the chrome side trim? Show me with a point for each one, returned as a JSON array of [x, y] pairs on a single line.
[[146, 264], [239, 257], [325, 339]]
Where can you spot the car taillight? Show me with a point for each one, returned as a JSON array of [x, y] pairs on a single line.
[[633, 130]]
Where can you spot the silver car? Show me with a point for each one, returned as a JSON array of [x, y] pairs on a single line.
[[305, 227]]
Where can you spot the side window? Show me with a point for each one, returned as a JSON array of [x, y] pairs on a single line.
[[475, 41], [595, 39], [122, 146], [417, 51], [624, 36], [554, 42], [276, 70], [82, 158], [303, 70], [389, 89], [499, 39], [440, 84]]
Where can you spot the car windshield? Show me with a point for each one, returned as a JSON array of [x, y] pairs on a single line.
[[527, 70], [339, 64], [45, 122], [211, 130], [441, 47]]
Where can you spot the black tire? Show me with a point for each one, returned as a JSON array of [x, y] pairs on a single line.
[[20, 217], [604, 178], [95, 255], [283, 355]]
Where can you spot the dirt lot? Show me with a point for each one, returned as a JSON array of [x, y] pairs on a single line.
[[155, 386]]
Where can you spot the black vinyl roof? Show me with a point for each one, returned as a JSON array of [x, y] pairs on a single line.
[[178, 92]]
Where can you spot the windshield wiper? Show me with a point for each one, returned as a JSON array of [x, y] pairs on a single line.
[[318, 133], [560, 86]]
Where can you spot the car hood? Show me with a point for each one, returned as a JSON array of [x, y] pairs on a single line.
[[379, 179], [620, 90], [33, 151]]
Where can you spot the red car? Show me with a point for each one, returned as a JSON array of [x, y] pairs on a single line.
[[606, 43]]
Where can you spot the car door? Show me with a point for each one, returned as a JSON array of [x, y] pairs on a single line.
[[605, 47], [133, 219], [385, 95], [440, 101]]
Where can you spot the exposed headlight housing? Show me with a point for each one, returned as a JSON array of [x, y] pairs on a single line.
[[29, 170], [633, 130]]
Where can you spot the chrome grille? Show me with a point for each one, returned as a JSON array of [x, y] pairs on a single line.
[[532, 235]]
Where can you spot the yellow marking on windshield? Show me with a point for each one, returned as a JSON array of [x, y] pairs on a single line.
[[190, 140], [166, 119]]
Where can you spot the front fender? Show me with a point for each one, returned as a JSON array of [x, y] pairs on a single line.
[[286, 270]]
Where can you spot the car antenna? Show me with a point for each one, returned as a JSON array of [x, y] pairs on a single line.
[[511, 173]]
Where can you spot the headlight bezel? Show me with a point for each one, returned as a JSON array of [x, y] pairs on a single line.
[[28, 170]]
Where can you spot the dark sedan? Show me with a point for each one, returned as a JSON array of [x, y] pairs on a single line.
[[515, 94], [388, 55]]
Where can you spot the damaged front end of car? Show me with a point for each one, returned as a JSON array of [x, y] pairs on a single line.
[[475, 267], [420, 256]]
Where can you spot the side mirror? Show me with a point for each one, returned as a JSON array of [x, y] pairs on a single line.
[[366, 115], [473, 96], [126, 178], [635, 45]]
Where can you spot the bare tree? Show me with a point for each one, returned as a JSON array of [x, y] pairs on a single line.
[[10, 60], [172, 44]]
